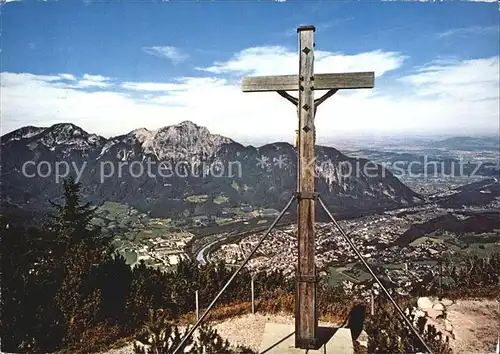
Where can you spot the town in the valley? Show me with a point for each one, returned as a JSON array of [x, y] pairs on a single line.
[[405, 245]]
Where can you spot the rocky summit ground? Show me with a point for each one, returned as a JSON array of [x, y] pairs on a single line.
[[473, 326], [477, 325], [246, 330]]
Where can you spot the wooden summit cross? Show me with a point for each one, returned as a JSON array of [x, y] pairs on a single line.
[[306, 320]]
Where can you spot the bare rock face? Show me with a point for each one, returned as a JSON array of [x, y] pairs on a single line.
[[438, 306], [432, 307], [448, 326], [185, 142], [447, 302], [424, 303], [180, 142], [419, 313], [434, 314], [363, 339]]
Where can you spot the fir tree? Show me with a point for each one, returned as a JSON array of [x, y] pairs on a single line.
[[77, 255], [72, 220]]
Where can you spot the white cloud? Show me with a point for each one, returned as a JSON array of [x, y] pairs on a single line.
[[469, 80], [277, 60], [68, 77], [16, 80], [467, 31], [167, 52], [326, 25], [85, 82], [96, 78], [151, 86], [178, 84], [93, 81], [452, 96]]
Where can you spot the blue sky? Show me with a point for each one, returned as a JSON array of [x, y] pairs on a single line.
[[97, 64]]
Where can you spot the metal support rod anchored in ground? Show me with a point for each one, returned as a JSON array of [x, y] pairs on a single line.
[[353, 246], [191, 331]]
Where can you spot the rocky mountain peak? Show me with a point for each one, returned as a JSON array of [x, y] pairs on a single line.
[[141, 134], [181, 141], [69, 136], [185, 127], [188, 124], [22, 133]]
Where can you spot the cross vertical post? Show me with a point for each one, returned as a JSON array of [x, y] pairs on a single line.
[[306, 321], [306, 83]]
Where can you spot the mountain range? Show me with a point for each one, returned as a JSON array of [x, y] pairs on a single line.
[[186, 170]]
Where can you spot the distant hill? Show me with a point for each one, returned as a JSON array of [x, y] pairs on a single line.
[[468, 143], [455, 223], [474, 194]]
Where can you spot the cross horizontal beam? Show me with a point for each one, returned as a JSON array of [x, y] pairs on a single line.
[[356, 80]]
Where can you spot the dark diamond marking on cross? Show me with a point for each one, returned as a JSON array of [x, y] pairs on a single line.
[[306, 50], [306, 107], [306, 129], [301, 88]]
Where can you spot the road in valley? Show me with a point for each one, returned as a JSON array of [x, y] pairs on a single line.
[[200, 256]]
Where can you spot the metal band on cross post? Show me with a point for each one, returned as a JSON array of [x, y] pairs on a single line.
[[306, 319]]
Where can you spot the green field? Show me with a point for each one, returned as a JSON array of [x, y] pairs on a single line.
[[481, 249], [159, 223], [114, 209], [240, 187], [221, 199], [144, 234], [336, 275], [197, 199], [223, 221], [130, 257], [480, 243], [98, 222], [424, 239], [350, 272], [356, 273]]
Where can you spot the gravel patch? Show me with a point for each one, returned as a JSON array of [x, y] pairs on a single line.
[[247, 330], [128, 349], [476, 326]]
